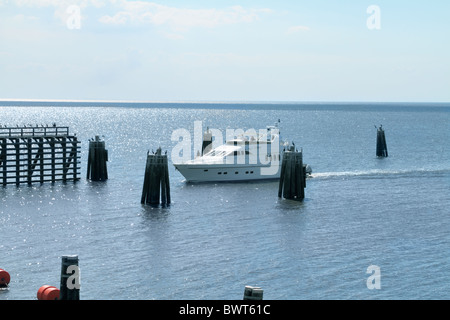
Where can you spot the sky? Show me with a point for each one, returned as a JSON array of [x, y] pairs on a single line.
[[242, 50]]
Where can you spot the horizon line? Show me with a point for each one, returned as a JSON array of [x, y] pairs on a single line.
[[216, 101]]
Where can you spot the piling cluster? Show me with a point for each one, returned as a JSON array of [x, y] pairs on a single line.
[[292, 182], [97, 169], [156, 188]]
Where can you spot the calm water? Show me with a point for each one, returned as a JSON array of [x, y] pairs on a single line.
[[216, 238]]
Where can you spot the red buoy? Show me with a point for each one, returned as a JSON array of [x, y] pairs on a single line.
[[41, 289], [51, 294], [4, 278], [48, 293]]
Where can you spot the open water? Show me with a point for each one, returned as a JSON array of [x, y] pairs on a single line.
[[360, 211]]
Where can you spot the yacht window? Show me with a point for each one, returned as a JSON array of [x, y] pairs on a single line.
[[236, 172], [246, 172], [219, 172], [251, 171], [225, 172]]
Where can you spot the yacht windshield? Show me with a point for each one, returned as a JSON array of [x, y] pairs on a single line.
[[215, 153]]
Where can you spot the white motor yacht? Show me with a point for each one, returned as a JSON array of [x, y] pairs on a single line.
[[256, 157]]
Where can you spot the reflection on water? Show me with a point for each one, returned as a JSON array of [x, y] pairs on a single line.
[[358, 211]]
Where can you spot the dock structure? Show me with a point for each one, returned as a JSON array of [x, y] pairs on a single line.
[[38, 154], [97, 169], [381, 143], [156, 189], [292, 182]]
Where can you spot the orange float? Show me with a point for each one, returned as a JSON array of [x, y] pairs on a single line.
[[47, 292], [4, 278], [41, 289]]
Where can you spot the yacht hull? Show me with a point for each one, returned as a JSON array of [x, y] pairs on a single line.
[[221, 172]]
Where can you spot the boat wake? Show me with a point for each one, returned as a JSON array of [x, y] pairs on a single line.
[[378, 173]]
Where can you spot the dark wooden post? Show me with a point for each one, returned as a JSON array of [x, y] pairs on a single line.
[[64, 158], [41, 155], [381, 143], [156, 180], [166, 180], [17, 147], [29, 160], [73, 157], [292, 182], [98, 156], [3, 160], [53, 151], [70, 278]]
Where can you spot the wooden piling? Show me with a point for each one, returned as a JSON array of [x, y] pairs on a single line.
[[97, 169], [3, 157], [381, 143], [156, 188], [253, 293], [292, 182], [38, 154], [70, 282]]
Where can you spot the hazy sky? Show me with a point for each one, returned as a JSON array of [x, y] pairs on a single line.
[[224, 50]]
